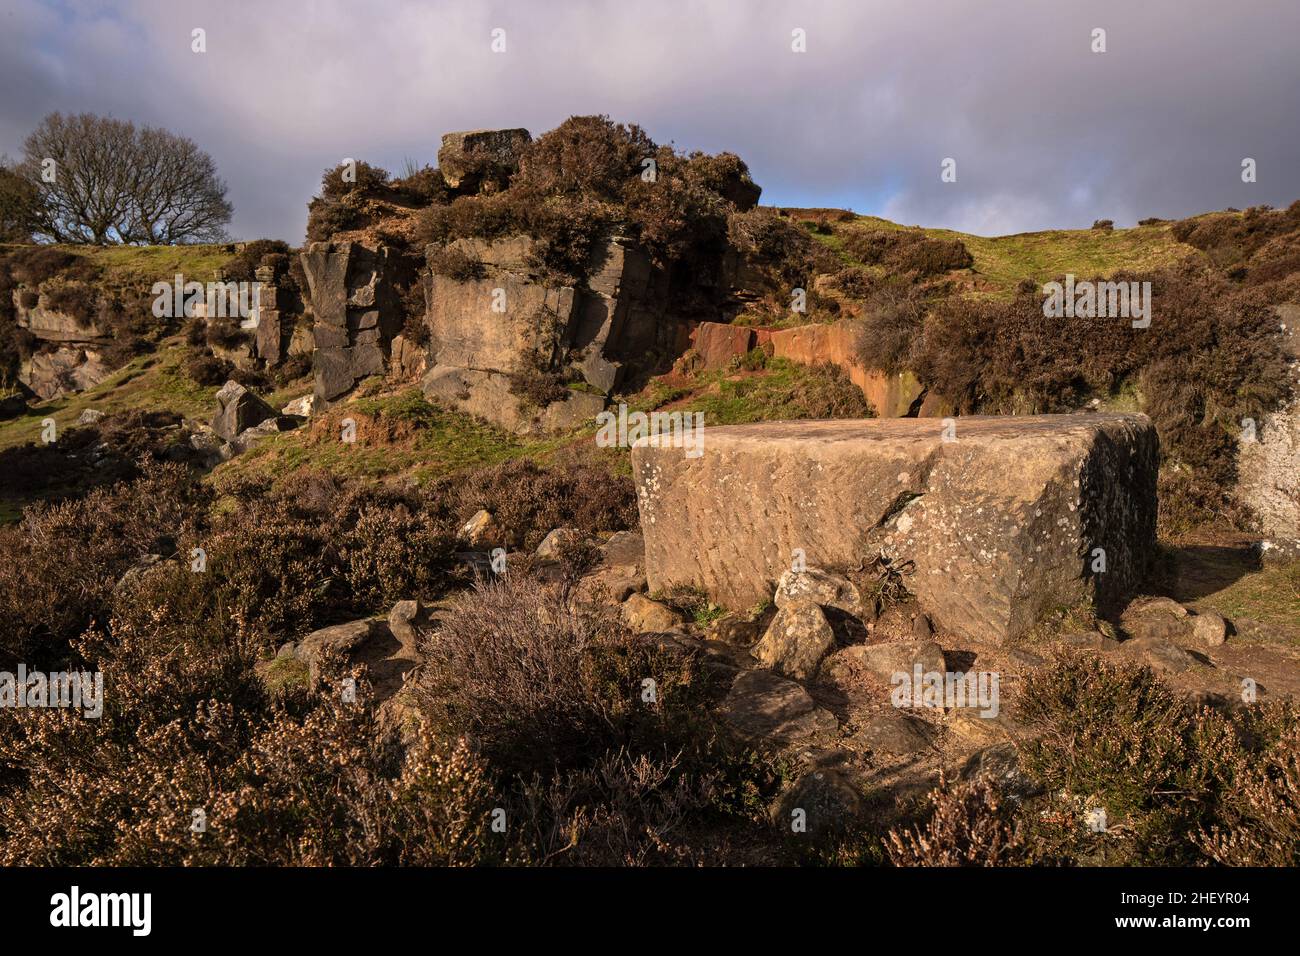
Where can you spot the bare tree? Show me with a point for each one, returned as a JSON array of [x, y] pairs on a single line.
[[101, 180]]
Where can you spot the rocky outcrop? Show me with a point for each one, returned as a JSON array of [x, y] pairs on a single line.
[[485, 329], [1012, 517], [354, 297], [892, 395], [70, 356], [63, 370], [1269, 465]]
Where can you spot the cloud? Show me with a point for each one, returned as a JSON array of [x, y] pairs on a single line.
[[1045, 132]]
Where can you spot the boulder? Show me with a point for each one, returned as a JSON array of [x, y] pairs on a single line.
[[1160, 654], [883, 661], [998, 526], [553, 545], [472, 158], [62, 371], [370, 642], [301, 407], [624, 549], [238, 409], [796, 640], [717, 344], [762, 705], [820, 587]]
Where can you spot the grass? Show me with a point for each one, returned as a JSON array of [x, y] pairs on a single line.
[[410, 437], [1003, 261], [781, 392], [1270, 596]]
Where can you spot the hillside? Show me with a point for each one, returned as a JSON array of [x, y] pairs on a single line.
[[619, 506]]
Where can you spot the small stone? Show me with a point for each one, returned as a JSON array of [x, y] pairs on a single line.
[[89, 416], [883, 661], [480, 531], [821, 802], [556, 541], [1160, 654], [922, 629], [1210, 628]]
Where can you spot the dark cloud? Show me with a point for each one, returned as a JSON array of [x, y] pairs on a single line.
[[1045, 132]]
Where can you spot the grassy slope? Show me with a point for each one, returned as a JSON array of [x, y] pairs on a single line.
[[1002, 261]]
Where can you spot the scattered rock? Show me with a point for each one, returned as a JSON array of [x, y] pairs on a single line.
[[369, 642], [764, 705], [1210, 628], [821, 802], [480, 531], [738, 630], [883, 661], [238, 410], [969, 725], [1000, 764], [644, 615], [1161, 654], [894, 732], [403, 620], [302, 407], [820, 587], [556, 541], [625, 549], [796, 640], [1090, 640]]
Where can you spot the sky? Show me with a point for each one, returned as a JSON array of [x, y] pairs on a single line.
[[1044, 131]]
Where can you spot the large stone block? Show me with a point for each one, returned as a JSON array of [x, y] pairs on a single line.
[[999, 524], [469, 158]]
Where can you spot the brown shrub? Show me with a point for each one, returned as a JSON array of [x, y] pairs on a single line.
[[970, 824], [454, 263], [528, 501], [908, 251], [892, 319], [61, 561]]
